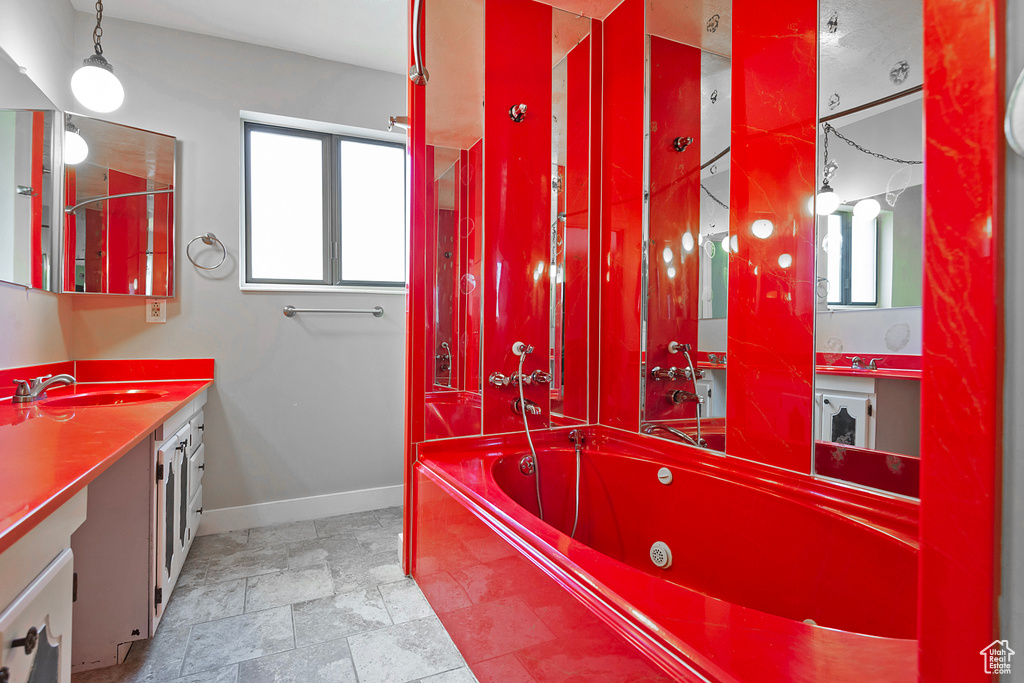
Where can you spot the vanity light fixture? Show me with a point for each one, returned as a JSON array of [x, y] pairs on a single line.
[[94, 84], [867, 209], [762, 228], [75, 147]]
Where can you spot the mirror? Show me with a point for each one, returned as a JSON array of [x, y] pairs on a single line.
[[119, 213], [28, 196], [868, 244], [687, 225], [454, 131], [570, 215]]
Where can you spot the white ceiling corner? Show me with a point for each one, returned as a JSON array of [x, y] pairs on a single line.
[[369, 33]]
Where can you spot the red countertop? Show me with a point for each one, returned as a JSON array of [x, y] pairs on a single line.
[[47, 455], [888, 373]]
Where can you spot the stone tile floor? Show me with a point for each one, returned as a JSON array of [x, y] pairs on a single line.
[[309, 602]]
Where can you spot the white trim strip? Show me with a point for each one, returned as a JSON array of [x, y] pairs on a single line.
[[298, 509]]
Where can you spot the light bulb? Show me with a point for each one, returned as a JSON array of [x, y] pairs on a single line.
[[762, 228], [785, 260], [75, 148], [827, 201], [687, 242], [96, 86], [666, 255], [867, 209]]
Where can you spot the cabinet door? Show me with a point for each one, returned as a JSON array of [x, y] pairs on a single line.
[[196, 467], [169, 555], [35, 629], [847, 419]]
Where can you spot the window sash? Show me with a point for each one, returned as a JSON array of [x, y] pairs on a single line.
[[332, 198]]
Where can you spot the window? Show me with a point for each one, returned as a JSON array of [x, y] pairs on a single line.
[[852, 247], [323, 209]]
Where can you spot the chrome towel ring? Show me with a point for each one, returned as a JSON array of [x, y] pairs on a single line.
[[208, 239]]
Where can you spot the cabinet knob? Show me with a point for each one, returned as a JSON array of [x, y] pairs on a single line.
[[5, 675], [202, 427], [29, 642], [202, 467]]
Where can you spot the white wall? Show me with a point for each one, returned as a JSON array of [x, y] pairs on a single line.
[[303, 406], [39, 36], [869, 331]]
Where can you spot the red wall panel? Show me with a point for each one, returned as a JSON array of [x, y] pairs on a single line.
[[594, 234], [125, 235], [70, 231], [962, 329], [622, 171], [517, 204], [770, 393], [470, 285], [674, 210]]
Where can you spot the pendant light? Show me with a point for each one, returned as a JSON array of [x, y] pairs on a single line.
[[866, 209], [827, 201], [95, 84], [75, 147]]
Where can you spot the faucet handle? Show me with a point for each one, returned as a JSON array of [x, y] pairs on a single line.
[[540, 377], [873, 363], [24, 388]]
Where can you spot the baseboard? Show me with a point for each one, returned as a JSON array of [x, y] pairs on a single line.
[[241, 517]]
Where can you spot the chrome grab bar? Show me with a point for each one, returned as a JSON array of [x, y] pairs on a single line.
[[290, 311], [90, 200], [417, 72]]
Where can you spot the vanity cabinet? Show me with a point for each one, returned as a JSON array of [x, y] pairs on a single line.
[[143, 513], [36, 592], [879, 413]]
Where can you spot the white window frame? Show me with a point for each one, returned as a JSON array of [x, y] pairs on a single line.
[[370, 135]]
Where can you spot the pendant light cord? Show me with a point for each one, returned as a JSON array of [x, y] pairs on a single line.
[[828, 127], [97, 33]]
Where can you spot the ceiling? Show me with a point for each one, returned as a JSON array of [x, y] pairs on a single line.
[[368, 33]]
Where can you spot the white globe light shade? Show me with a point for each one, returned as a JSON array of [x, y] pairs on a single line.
[[762, 228], [75, 148], [785, 260], [826, 203], [97, 88], [687, 242], [867, 209]]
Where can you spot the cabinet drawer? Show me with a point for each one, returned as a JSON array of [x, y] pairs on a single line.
[[196, 467], [197, 425], [41, 614]]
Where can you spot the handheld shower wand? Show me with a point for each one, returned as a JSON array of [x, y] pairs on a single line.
[[520, 349]]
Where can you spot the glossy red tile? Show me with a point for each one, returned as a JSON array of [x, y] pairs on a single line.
[[594, 234], [962, 328], [770, 390], [517, 205], [622, 189]]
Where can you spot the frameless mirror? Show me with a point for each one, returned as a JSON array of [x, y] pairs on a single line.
[[570, 215], [119, 213], [28, 196], [868, 244], [687, 223], [454, 31]]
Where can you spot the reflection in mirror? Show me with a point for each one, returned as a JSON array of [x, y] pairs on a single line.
[[687, 224], [454, 32], [869, 244], [119, 222], [28, 197], [570, 215]]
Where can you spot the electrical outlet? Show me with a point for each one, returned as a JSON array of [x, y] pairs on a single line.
[[156, 311]]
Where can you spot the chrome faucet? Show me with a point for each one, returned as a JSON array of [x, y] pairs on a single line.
[[531, 407], [858, 363], [27, 391], [649, 427], [681, 396]]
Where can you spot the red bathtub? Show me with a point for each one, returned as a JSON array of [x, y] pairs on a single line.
[[758, 554]]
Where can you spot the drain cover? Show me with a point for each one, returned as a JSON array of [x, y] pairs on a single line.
[[661, 556]]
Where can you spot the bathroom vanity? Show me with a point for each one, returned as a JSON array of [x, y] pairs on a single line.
[[100, 502]]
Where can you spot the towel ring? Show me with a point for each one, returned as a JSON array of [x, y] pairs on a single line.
[[208, 239]]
